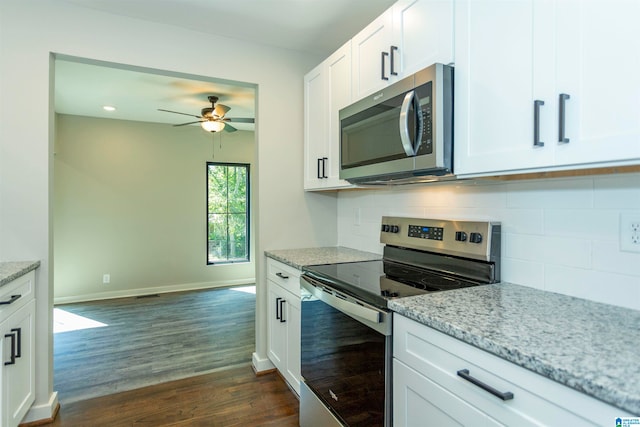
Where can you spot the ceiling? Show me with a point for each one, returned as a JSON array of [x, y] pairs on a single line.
[[313, 26]]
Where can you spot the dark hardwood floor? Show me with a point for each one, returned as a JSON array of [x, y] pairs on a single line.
[[153, 340], [231, 397]]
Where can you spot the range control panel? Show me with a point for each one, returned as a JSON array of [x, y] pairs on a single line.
[[470, 239]]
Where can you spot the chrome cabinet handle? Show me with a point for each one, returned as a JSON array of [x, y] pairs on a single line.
[[282, 276], [464, 373], [536, 123], [324, 167], [392, 61], [562, 137], [10, 300], [383, 77]]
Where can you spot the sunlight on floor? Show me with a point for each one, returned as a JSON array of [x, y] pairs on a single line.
[[246, 289], [64, 321]]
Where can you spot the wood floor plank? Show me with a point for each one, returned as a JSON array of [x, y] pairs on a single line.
[[230, 397]]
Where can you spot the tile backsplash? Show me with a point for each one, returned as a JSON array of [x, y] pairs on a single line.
[[560, 235]]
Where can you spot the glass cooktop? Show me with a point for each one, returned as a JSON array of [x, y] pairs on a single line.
[[376, 282]]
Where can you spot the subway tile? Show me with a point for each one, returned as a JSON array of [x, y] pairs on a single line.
[[523, 221], [594, 224], [609, 288], [552, 193], [549, 250], [607, 256], [617, 192], [525, 273]]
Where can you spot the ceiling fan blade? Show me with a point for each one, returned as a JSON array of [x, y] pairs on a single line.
[[178, 112], [229, 128], [241, 120], [220, 110], [189, 123]]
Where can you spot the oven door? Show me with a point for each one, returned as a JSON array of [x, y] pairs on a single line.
[[345, 359]]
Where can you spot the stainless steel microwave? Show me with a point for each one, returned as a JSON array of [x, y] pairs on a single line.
[[402, 134]]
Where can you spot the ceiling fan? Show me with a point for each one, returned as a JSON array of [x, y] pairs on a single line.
[[212, 119]]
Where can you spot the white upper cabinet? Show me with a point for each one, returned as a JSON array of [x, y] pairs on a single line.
[[544, 85], [598, 66], [315, 129], [424, 31], [327, 89], [371, 56], [409, 36]]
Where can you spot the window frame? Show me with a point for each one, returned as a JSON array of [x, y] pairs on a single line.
[[247, 166]]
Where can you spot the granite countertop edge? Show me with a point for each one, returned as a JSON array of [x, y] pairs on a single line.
[[532, 358], [11, 270], [299, 258]]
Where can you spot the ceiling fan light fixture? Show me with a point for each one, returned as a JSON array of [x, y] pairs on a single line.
[[212, 126]]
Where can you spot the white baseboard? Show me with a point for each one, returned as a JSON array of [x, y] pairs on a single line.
[[261, 364], [150, 291], [42, 412]]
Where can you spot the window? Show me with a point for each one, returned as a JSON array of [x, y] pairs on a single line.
[[227, 213]]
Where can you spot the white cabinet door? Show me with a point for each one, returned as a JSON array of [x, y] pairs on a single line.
[[496, 76], [18, 377], [597, 62], [277, 332], [420, 402], [327, 89], [424, 31], [338, 72], [372, 56], [292, 319], [315, 129]]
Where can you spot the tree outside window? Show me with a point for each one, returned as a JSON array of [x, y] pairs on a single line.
[[227, 213]]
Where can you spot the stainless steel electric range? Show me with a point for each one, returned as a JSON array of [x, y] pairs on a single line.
[[346, 324]]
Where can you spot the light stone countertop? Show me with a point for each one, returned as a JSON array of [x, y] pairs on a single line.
[[591, 347], [298, 258], [10, 271]]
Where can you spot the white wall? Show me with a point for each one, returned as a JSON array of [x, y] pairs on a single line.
[[560, 235], [130, 201], [30, 30]]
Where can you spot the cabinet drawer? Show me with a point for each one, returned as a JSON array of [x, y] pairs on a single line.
[[284, 275], [16, 293], [536, 400]]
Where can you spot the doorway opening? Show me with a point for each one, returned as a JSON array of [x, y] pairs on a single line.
[[129, 198]]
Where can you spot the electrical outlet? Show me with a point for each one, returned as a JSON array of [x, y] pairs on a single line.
[[630, 232], [357, 216], [106, 278]]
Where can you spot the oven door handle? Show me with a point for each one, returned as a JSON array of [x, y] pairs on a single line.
[[353, 310]]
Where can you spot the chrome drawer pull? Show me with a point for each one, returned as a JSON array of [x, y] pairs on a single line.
[[464, 373]]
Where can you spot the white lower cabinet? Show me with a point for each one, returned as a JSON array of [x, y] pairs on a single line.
[[17, 371], [428, 391], [284, 320]]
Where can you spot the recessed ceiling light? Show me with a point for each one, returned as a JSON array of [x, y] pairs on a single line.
[[108, 108]]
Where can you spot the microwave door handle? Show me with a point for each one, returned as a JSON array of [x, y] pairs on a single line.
[[408, 145]]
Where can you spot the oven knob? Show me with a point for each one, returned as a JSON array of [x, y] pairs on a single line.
[[475, 238], [395, 229], [461, 236], [385, 228]]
